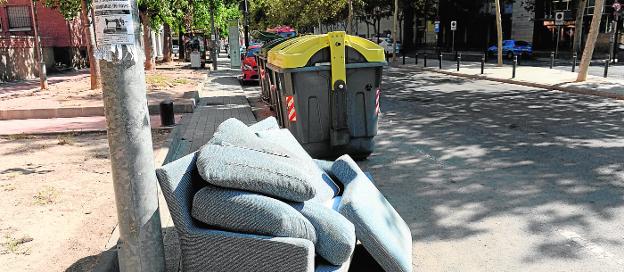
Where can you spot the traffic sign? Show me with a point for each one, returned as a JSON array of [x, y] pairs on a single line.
[[559, 18], [436, 26], [453, 25]]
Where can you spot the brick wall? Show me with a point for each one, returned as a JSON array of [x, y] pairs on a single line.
[[55, 31], [61, 41]]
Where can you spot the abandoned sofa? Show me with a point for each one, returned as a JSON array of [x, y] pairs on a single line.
[[252, 199]]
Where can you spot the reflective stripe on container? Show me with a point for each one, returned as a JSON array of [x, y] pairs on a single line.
[[290, 104], [377, 109]]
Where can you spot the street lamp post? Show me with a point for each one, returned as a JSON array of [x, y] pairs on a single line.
[[140, 246], [246, 26], [377, 12]]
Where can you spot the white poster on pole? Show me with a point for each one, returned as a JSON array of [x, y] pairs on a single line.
[[113, 22], [235, 57]]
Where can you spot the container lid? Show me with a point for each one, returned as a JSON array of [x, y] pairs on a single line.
[[269, 45], [296, 52]]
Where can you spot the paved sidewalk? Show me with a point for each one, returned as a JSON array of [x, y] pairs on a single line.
[[551, 79], [69, 94], [63, 125]]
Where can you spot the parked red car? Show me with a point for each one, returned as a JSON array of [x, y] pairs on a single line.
[[249, 65]]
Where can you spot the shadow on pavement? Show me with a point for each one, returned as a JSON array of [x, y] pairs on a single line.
[[454, 156]]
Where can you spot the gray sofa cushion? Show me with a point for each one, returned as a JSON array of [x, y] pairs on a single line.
[[235, 132], [325, 186], [266, 124], [257, 171], [247, 212], [335, 235], [378, 226]]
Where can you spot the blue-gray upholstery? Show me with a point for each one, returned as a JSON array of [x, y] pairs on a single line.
[[205, 249], [378, 226], [266, 124], [325, 186], [235, 132], [257, 171], [247, 212], [335, 234], [280, 143]]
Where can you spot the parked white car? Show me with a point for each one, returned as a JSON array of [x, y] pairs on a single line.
[[386, 43]]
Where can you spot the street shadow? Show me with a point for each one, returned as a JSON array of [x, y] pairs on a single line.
[[456, 154], [228, 81], [30, 169]]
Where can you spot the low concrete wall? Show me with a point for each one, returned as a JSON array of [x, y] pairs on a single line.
[[180, 106], [17, 58]]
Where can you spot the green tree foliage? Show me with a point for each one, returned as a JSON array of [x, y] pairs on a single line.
[[297, 13]]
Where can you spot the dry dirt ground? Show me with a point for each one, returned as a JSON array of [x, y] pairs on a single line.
[[58, 209], [72, 89]]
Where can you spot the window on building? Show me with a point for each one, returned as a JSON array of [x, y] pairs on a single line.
[[19, 18]]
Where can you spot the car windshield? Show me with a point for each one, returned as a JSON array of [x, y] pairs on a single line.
[[252, 51]]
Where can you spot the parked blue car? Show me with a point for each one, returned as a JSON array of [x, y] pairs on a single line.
[[513, 47]]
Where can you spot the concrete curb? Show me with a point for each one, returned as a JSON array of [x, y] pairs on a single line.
[[180, 106], [558, 87], [77, 131]]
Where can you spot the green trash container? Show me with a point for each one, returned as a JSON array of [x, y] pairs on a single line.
[[261, 60], [266, 73], [328, 89]]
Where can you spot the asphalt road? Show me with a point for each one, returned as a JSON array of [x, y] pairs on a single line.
[[499, 177]]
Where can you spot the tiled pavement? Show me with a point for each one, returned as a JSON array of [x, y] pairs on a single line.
[[221, 97], [196, 129]]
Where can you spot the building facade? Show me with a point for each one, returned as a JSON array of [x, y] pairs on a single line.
[[63, 42]]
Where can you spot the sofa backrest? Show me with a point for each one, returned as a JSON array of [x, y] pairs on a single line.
[[179, 181]]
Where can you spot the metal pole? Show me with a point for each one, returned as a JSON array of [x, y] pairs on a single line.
[[440, 62], [458, 61], [482, 63], [515, 64], [606, 68], [140, 246], [213, 36], [574, 59], [416, 58], [453, 42], [425, 60], [558, 37], [246, 26], [552, 59]]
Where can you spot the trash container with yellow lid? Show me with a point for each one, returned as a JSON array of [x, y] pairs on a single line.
[[328, 89]]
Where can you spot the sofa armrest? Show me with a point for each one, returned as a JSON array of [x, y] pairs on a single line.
[[215, 250], [378, 226]]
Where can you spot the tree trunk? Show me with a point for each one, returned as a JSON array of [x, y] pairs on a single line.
[[578, 31], [167, 44], [499, 32], [150, 61], [181, 45], [43, 76], [87, 26], [591, 41], [408, 28], [395, 29]]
